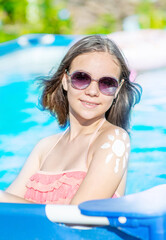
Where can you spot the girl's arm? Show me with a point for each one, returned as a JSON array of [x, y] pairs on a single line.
[[31, 165], [107, 168], [17, 189], [10, 198]]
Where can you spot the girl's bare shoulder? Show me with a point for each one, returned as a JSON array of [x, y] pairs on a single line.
[[110, 133], [109, 138], [50, 139], [48, 142]]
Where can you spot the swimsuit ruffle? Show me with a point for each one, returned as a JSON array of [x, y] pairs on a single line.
[[58, 188]]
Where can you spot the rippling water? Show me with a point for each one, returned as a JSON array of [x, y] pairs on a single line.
[[147, 166], [22, 123]]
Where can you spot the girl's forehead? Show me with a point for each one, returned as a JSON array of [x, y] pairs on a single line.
[[99, 61], [95, 54]]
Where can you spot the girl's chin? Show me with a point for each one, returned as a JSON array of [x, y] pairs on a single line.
[[90, 117], [87, 114]]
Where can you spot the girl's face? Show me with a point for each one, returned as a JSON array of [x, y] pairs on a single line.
[[90, 103]]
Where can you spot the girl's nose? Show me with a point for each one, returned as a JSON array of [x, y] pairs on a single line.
[[93, 89]]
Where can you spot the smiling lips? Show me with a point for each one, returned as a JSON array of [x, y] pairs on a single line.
[[88, 104]]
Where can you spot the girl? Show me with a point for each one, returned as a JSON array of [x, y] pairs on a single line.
[[91, 89]]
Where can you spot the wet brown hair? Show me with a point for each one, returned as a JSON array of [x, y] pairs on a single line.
[[54, 97]]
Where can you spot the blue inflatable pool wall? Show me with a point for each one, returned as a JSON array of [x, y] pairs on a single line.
[[136, 216]]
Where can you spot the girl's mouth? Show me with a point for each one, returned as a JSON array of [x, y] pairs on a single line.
[[89, 104]]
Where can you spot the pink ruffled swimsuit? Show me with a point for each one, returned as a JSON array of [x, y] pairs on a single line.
[[53, 188], [60, 188]]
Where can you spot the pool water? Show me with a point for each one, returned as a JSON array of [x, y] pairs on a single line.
[[147, 166], [22, 123]]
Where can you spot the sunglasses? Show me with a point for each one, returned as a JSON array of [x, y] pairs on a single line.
[[81, 80]]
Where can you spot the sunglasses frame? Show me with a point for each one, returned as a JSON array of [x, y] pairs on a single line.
[[96, 80]]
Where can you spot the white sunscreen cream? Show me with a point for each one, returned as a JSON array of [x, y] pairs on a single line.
[[128, 145], [124, 135], [116, 169], [106, 145], [127, 155], [118, 148], [111, 137], [117, 132], [124, 162], [108, 158]]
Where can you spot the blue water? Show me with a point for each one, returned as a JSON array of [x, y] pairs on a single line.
[[22, 123]]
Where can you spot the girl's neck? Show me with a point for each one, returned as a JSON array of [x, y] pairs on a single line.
[[84, 128]]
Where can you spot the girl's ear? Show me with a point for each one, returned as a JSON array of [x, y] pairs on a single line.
[[65, 82], [119, 87]]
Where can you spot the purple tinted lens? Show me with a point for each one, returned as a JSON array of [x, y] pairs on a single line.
[[108, 85], [80, 80]]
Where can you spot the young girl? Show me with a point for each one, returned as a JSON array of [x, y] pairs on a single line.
[[91, 89]]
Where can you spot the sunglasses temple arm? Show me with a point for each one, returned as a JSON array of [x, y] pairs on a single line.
[[118, 89]]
